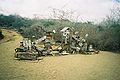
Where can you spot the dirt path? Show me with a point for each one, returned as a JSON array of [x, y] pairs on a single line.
[[104, 66]]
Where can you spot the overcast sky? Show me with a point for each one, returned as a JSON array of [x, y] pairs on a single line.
[[92, 10]]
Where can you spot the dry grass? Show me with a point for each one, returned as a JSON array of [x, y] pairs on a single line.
[[104, 66]]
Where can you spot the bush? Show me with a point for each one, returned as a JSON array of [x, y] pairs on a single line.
[[1, 35]]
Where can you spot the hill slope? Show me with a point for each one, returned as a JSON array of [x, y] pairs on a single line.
[[104, 66]]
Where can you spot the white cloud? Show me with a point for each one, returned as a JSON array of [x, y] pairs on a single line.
[[87, 9]]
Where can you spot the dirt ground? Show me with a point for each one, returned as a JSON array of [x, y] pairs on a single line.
[[103, 66]]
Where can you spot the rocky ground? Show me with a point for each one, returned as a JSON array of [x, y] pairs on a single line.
[[103, 66]]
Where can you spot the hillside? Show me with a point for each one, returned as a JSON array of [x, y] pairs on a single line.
[[103, 35], [104, 66]]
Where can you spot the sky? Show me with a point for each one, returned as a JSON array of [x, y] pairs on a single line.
[[87, 10]]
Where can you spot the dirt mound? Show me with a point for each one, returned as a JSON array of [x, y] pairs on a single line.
[[9, 36]]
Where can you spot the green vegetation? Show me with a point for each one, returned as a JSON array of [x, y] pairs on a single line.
[[1, 35], [103, 36]]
